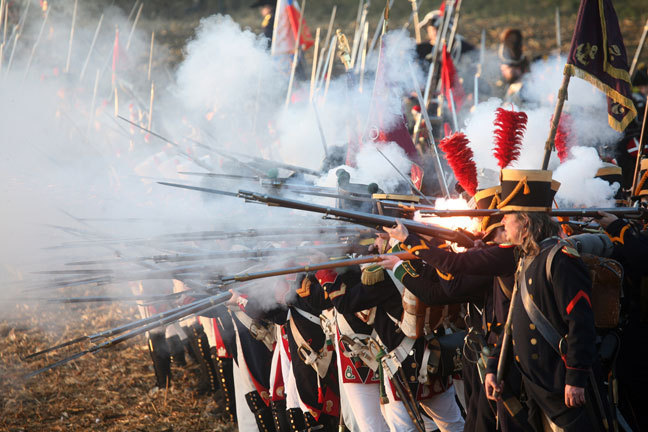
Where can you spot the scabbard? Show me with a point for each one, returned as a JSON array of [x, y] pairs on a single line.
[[409, 401]]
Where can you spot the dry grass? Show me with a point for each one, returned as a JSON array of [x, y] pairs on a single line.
[[112, 390]]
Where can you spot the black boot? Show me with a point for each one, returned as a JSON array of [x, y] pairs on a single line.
[[296, 421], [280, 416], [161, 356], [199, 344], [262, 412], [177, 350]]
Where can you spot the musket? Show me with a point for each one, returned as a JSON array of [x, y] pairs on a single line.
[[276, 164], [174, 144], [312, 268], [252, 253], [102, 299], [352, 197], [201, 306], [110, 332], [568, 212], [505, 356], [267, 233], [151, 273], [361, 218]]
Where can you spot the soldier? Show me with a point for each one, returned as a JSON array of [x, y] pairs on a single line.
[[430, 24], [631, 250], [312, 354], [378, 297], [267, 11], [358, 370], [254, 347], [483, 277], [554, 288], [513, 66]]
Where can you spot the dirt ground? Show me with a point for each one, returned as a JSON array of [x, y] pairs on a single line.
[[112, 390]]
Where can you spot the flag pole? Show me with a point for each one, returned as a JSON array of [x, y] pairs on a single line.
[[314, 68], [325, 44], [415, 16], [558, 38], [642, 142], [69, 53], [92, 45], [562, 97], [293, 68], [642, 41]]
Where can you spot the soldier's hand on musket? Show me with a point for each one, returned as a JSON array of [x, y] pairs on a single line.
[[399, 232], [388, 261], [605, 219], [574, 396], [380, 244], [493, 390]]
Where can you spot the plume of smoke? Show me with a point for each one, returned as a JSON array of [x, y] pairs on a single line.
[[579, 187]]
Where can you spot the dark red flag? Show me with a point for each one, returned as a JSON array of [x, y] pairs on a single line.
[[598, 56]]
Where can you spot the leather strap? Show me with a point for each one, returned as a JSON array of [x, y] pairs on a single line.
[[546, 329], [318, 360]]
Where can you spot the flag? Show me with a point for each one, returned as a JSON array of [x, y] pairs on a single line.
[[598, 56], [450, 81], [287, 18]]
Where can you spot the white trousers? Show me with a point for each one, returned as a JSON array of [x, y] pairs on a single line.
[[442, 407]]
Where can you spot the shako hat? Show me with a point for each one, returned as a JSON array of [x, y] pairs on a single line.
[[510, 49], [527, 190], [612, 173]]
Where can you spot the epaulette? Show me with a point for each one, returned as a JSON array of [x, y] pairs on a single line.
[[372, 275], [506, 245], [304, 289], [266, 20], [570, 252]]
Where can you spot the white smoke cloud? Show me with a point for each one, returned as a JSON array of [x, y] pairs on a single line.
[[579, 187]]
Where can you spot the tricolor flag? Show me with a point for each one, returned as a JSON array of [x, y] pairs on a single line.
[[286, 28], [598, 56]]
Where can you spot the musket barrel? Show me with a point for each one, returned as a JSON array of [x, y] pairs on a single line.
[[316, 267], [362, 218]]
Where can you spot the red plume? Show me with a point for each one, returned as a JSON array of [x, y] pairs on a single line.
[[460, 158], [562, 137], [509, 130]]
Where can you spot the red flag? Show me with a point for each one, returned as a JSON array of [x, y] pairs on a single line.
[[450, 81]]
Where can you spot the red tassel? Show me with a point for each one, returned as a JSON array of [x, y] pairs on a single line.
[[320, 395], [562, 137], [460, 158], [509, 130]]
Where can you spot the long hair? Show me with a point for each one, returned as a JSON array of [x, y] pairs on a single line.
[[537, 227]]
